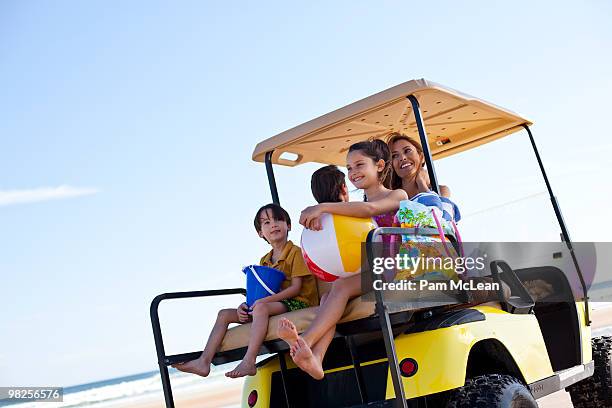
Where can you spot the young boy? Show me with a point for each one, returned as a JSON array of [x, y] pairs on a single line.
[[328, 185], [298, 291]]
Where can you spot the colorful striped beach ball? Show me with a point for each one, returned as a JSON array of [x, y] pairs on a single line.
[[335, 251]]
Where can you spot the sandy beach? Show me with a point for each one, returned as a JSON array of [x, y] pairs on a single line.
[[224, 395], [228, 394]]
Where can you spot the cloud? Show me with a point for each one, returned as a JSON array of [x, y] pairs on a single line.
[[10, 197]]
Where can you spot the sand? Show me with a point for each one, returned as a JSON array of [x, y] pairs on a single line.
[[221, 396], [230, 393]]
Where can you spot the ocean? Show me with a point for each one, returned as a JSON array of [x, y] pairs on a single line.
[[131, 389]]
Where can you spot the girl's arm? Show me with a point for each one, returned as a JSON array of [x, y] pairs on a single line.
[[310, 216], [290, 292]]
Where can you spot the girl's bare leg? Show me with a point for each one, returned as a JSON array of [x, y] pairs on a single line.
[[333, 308], [259, 328], [201, 365], [310, 348], [311, 360], [286, 329], [320, 347], [288, 332], [302, 357]]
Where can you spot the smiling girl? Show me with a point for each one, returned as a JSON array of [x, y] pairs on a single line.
[[368, 165]]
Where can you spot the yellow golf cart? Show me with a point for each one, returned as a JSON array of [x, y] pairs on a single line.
[[504, 353]]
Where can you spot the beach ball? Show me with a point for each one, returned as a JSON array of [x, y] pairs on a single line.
[[335, 251]]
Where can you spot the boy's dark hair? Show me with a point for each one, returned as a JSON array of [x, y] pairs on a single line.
[[326, 184], [278, 213]]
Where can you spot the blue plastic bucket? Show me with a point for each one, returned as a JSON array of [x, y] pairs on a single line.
[[262, 281]]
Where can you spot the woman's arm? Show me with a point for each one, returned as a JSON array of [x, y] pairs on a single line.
[[444, 191], [424, 185], [310, 216]]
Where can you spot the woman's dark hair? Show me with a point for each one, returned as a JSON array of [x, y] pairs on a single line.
[[326, 184], [395, 181], [278, 213], [376, 150]]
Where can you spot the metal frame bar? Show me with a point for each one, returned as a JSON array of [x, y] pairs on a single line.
[[383, 311], [283, 371], [564, 232], [387, 330], [350, 343], [271, 179], [416, 108], [162, 358]]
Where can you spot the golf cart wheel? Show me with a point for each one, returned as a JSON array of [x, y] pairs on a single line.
[[596, 391], [492, 391]]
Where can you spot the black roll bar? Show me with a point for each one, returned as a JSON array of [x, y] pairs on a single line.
[[564, 232], [271, 179], [416, 108], [162, 359], [387, 331]]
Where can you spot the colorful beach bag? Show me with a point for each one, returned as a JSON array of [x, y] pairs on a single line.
[[426, 256]]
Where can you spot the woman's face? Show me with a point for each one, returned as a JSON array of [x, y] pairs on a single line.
[[405, 159], [362, 171]]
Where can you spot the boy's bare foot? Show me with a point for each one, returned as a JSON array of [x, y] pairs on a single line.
[[196, 366], [303, 358], [286, 331], [243, 369]]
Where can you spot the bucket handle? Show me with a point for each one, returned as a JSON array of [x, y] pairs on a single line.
[[261, 282]]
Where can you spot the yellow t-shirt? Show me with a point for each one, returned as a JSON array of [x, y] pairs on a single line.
[[292, 264]]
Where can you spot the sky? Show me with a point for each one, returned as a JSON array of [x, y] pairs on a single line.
[[127, 129]]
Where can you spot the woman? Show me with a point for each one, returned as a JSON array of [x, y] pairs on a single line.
[[409, 173]]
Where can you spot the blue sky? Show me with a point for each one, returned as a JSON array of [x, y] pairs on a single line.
[[127, 130]]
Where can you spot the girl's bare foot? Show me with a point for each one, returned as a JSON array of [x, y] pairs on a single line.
[[286, 331], [243, 369], [303, 358], [196, 366]]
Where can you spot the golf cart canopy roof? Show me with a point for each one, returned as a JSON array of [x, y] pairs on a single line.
[[454, 122]]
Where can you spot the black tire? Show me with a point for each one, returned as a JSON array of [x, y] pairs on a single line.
[[492, 391], [596, 391]]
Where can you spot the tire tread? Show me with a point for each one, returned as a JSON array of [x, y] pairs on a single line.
[[596, 391]]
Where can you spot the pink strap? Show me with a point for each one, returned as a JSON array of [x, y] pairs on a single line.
[[442, 236]]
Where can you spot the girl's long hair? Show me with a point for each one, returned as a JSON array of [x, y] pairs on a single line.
[[395, 181], [377, 150]]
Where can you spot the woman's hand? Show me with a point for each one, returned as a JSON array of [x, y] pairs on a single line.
[[422, 180], [424, 184], [311, 217]]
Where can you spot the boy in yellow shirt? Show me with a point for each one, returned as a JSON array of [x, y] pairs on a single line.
[[298, 291]]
